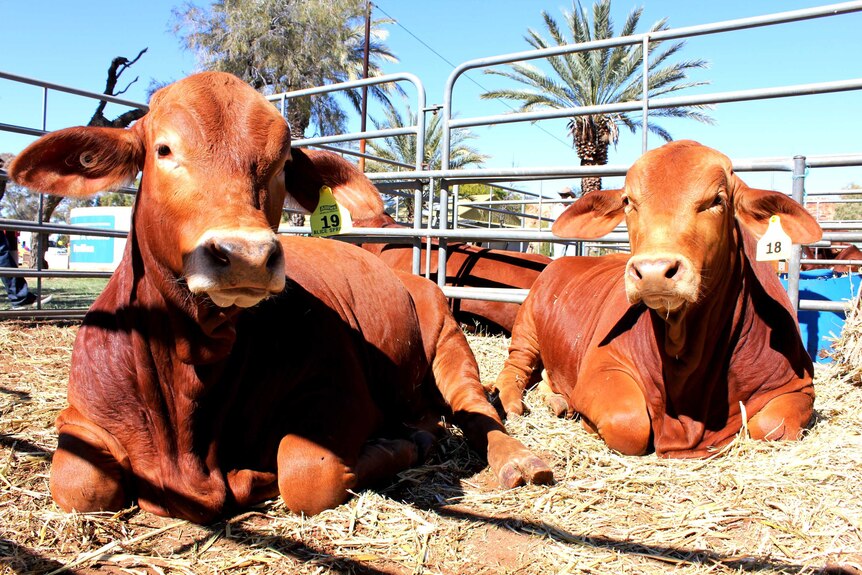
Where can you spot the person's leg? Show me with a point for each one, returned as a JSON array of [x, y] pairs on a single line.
[[16, 287]]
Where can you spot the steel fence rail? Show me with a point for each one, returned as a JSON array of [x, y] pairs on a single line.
[[414, 177], [69, 90]]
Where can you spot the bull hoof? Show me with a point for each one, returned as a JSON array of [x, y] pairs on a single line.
[[558, 404], [516, 465], [526, 469], [512, 402]]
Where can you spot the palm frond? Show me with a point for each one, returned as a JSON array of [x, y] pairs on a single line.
[[600, 77]]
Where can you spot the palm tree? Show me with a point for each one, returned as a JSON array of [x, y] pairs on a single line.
[[402, 148], [596, 77]]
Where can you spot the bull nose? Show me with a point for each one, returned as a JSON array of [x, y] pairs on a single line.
[[662, 281], [241, 254], [236, 267], [645, 269]]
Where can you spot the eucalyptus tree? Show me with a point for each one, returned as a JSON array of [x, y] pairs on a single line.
[[279, 46], [601, 76]]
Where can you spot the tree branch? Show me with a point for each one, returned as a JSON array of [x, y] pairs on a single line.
[[119, 65]]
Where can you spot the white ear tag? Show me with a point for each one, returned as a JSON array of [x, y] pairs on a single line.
[[329, 217], [775, 244]]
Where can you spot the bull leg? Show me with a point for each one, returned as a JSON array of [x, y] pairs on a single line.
[[313, 478], [556, 401], [457, 377], [249, 487], [613, 406], [85, 476], [783, 417], [524, 358]]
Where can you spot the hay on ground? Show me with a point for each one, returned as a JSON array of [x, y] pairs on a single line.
[[790, 507], [846, 351]]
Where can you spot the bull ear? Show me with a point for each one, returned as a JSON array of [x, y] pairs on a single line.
[[79, 162], [592, 216], [754, 207], [302, 181], [310, 169]]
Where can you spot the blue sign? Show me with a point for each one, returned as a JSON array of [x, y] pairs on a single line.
[[92, 249]]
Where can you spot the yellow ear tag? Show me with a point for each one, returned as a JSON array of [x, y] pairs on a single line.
[[775, 244], [329, 217]]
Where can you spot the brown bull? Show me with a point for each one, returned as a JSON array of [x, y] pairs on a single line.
[[846, 253], [223, 365], [678, 345], [466, 264]]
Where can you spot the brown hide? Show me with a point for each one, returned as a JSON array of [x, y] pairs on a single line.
[[850, 252], [223, 365], [466, 264], [671, 347]]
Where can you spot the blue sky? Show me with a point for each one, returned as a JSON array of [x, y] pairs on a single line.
[[72, 43]]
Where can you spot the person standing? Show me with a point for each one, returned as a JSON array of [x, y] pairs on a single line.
[[17, 291]]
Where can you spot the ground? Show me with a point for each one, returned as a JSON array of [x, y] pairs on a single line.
[[790, 507]]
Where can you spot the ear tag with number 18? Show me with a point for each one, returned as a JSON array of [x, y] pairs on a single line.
[[775, 244], [329, 217]]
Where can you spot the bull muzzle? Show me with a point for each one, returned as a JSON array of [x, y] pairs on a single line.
[[236, 267], [664, 282]]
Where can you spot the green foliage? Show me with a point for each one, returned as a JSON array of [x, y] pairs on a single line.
[[115, 199], [20, 204], [850, 211], [598, 77], [403, 148], [279, 46]]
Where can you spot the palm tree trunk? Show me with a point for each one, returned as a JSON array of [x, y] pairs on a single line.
[[592, 136]]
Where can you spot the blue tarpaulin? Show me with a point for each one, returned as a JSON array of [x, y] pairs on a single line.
[[820, 328]]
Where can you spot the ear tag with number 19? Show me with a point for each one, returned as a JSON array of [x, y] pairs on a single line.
[[775, 244], [329, 217]]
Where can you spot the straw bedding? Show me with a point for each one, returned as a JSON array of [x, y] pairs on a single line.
[[792, 507]]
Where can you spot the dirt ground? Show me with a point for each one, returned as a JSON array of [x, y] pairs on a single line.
[[790, 507]]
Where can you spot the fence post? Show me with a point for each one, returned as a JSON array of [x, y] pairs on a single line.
[[645, 95], [795, 265], [442, 246], [417, 224]]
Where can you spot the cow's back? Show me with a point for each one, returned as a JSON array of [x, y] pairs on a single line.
[[591, 292], [473, 266]]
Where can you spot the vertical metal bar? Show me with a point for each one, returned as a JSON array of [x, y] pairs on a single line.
[[364, 112], [417, 224], [430, 223], [794, 266], [420, 165], [645, 89], [455, 204], [41, 248], [441, 242]]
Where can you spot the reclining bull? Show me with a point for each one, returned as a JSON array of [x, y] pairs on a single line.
[[223, 365]]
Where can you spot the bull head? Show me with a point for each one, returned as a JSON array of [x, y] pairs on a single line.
[[211, 152], [681, 203]]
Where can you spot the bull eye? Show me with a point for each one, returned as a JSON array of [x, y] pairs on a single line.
[[628, 206], [163, 150]]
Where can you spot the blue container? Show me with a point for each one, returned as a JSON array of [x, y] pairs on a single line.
[[820, 328]]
